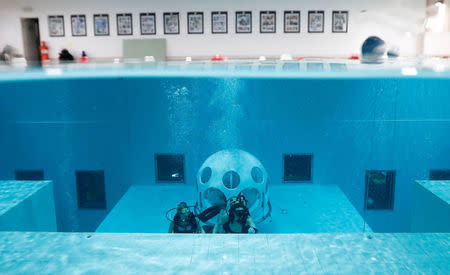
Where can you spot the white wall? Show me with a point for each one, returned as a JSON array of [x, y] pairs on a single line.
[[437, 42], [397, 21]]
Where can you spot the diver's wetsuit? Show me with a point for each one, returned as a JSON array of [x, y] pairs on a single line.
[[191, 227], [227, 229]]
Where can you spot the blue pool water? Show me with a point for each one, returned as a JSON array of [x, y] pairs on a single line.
[[351, 119]]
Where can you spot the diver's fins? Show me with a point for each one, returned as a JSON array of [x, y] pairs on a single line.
[[209, 213]]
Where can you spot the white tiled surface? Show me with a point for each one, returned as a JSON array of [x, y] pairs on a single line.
[[309, 208], [13, 192], [105, 253]]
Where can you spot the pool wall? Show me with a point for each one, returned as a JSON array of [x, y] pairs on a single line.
[[350, 125]]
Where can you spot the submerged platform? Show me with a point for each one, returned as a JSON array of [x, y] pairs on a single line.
[[27, 206], [431, 206], [104, 253], [309, 208]]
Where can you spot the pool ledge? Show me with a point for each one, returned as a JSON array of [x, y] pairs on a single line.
[[114, 253]]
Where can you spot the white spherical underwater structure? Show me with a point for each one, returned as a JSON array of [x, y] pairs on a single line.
[[228, 173]]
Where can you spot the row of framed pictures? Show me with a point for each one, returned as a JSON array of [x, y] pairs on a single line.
[[219, 23]]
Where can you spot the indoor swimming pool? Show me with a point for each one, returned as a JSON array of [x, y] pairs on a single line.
[[340, 164]]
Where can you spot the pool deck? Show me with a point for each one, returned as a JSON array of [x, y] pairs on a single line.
[[116, 253], [308, 68]]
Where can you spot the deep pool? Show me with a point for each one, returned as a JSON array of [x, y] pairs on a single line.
[[96, 130]]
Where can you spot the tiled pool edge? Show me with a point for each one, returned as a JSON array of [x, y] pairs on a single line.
[[357, 253], [431, 206], [27, 206]]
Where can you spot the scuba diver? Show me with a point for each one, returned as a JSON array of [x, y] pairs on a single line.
[[238, 219], [185, 221]]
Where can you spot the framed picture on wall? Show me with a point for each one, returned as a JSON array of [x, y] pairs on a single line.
[[171, 23], [148, 23], [243, 22], [219, 22], [292, 21], [195, 22], [78, 25], [124, 24], [340, 21], [56, 25], [267, 22], [315, 21], [101, 24]]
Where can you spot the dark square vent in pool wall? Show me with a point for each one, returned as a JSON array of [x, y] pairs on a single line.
[[379, 193], [169, 167], [29, 174], [297, 168], [440, 175], [91, 189]]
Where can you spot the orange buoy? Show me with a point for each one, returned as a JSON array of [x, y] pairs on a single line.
[[217, 57], [83, 58]]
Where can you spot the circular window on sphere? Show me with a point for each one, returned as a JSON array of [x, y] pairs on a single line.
[[206, 174], [257, 174], [231, 179]]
